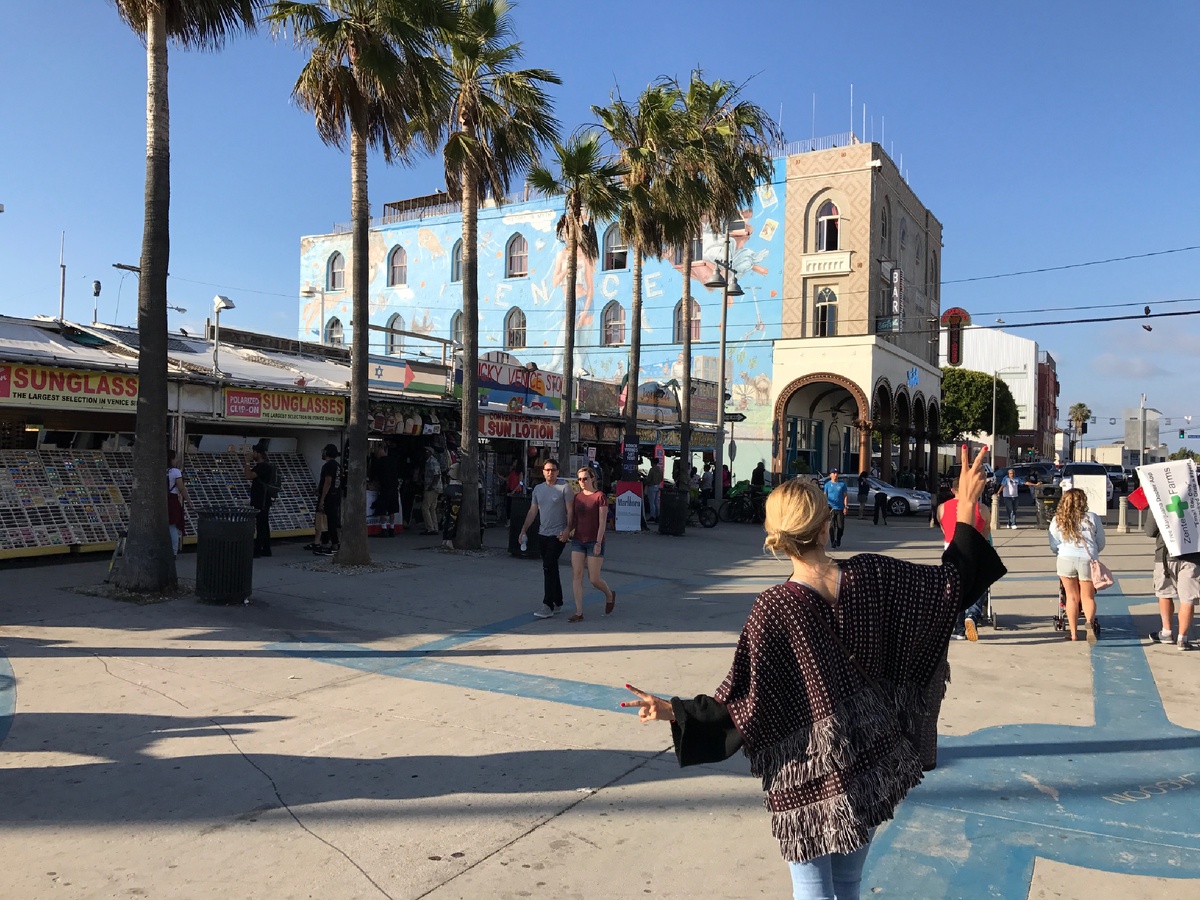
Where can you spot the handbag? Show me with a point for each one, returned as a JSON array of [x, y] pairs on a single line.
[[1102, 576]]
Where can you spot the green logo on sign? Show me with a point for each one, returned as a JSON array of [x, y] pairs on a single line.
[[1177, 505]]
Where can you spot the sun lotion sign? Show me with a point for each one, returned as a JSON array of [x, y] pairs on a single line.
[[1174, 500]]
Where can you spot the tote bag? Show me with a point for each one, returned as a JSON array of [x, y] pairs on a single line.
[[1102, 576]]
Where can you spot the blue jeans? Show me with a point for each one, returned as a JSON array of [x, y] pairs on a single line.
[[652, 501], [974, 612], [836, 876], [1010, 506]]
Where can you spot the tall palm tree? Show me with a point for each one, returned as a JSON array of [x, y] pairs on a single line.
[[720, 152], [149, 564], [637, 133], [1079, 413], [592, 192], [374, 79], [498, 118]]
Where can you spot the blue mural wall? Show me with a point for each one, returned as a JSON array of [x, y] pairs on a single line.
[[429, 298]]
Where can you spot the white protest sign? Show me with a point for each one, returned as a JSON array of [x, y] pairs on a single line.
[[1174, 498]]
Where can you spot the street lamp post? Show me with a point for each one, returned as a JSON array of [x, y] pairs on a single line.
[[219, 303], [313, 292], [729, 288]]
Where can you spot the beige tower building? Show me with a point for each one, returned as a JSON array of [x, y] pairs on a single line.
[[858, 351]]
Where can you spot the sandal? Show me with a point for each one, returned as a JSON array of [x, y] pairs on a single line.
[[610, 603], [578, 617], [1093, 631]]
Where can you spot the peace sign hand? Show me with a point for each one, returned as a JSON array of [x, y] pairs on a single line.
[[651, 708]]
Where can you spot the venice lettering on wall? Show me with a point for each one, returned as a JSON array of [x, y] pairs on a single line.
[[284, 406], [38, 386]]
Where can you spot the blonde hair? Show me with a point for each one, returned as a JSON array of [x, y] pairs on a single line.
[[1072, 511], [797, 513]]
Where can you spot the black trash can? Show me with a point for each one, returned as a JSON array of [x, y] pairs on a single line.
[[225, 554], [1046, 498], [520, 509], [673, 511]]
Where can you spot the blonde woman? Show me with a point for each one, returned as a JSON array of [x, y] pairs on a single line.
[[827, 691], [587, 545], [1077, 537]]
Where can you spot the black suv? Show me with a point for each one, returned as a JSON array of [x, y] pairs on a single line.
[[1116, 475]]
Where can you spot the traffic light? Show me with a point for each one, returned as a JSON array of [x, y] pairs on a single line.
[[1029, 454], [1182, 434]]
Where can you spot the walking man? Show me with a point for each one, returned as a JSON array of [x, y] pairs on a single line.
[[329, 500], [1175, 578], [264, 485], [433, 489], [839, 499], [1010, 487], [385, 472], [864, 490], [554, 502]]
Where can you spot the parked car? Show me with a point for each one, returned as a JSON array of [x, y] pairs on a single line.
[[1131, 479], [900, 502], [947, 479], [1116, 475], [1070, 470]]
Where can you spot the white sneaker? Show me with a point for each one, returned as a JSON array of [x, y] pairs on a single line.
[[1162, 637], [545, 612], [1182, 643]]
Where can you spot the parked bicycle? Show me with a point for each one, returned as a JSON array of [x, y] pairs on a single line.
[[744, 505], [700, 511]]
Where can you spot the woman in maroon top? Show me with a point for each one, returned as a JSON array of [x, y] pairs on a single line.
[[587, 546]]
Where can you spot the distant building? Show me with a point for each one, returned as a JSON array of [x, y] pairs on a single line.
[[832, 338]]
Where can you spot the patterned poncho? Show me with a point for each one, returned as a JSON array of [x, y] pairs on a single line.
[[836, 753]]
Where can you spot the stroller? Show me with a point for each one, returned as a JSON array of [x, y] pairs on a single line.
[[1060, 618]]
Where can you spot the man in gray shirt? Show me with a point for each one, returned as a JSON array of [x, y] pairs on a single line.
[[555, 503]]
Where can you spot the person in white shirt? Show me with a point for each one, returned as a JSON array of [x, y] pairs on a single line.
[[1010, 487], [1077, 537]]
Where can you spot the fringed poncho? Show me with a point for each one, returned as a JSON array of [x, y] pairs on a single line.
[[835, 752]]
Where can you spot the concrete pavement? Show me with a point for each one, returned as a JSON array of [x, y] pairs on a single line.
[[417, 733]]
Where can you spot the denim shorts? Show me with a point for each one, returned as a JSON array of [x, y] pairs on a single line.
[[587, 547], [1071, 567]]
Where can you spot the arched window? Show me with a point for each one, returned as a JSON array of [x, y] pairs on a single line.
[[616, 251], [395, 342], [456, 328], [456, 261], [885, 230], [333, 333], [335, 277], [935, 277], [697, 251], [397, 267], [514, 329], [517, 256], [903, 236], [827, 226], [614, 324], [679, 321], [825, 313]]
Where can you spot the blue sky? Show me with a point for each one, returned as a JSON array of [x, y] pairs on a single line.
[[1039, 134]]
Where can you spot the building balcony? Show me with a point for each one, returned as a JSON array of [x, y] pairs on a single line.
[[829, 262]]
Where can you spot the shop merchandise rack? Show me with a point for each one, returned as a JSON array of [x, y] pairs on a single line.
[[67, 498]]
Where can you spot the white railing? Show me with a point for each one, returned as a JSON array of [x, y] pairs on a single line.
[[441, 209], [828, 142]]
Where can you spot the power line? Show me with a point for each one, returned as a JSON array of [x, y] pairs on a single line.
[[1095, 262]]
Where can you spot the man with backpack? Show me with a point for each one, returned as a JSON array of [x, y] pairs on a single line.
[[265, 484]]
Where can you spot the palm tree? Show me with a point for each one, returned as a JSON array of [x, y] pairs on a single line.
[[1079, 413], [637, 133], [719, 153], [498, 117], [149, 564], [592, 190], [374, 79]]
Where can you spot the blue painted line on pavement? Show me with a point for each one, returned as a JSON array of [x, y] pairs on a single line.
[[8, 696], [434, 671]]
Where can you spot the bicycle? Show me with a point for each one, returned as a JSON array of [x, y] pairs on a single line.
[[700, 511]]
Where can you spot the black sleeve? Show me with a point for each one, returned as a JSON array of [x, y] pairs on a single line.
[[1150, 525], [703, 731], [977, 561]]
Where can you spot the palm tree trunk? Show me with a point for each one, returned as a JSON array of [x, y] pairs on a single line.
[[564, 418], [467, 536], [149, 564], [685, 402], [354, 550], [635, 353]]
